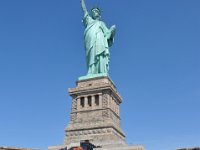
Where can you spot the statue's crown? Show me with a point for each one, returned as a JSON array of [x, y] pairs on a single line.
[[96, 8]]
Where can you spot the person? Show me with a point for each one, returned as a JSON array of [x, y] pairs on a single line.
[[98, 38]]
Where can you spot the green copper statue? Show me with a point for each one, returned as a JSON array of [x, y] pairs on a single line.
[[98, 38]]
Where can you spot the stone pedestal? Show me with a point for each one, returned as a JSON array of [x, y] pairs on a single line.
[[95, 116], [95, 113]]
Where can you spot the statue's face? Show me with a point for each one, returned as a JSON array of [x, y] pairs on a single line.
[[95, 14]]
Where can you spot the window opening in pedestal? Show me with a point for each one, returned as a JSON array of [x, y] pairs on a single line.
[[82, 102], [97, 100], [89, 101]]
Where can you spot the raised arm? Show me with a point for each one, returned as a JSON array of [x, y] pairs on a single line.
[[84, 7]]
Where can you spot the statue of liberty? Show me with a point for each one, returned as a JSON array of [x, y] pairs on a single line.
[[98, 38]]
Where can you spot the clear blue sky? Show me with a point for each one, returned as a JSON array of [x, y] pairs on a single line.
[[155, 64]]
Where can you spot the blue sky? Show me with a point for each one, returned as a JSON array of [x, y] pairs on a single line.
[[154, 63]]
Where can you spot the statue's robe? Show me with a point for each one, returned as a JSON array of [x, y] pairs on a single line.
[[98, 38]]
